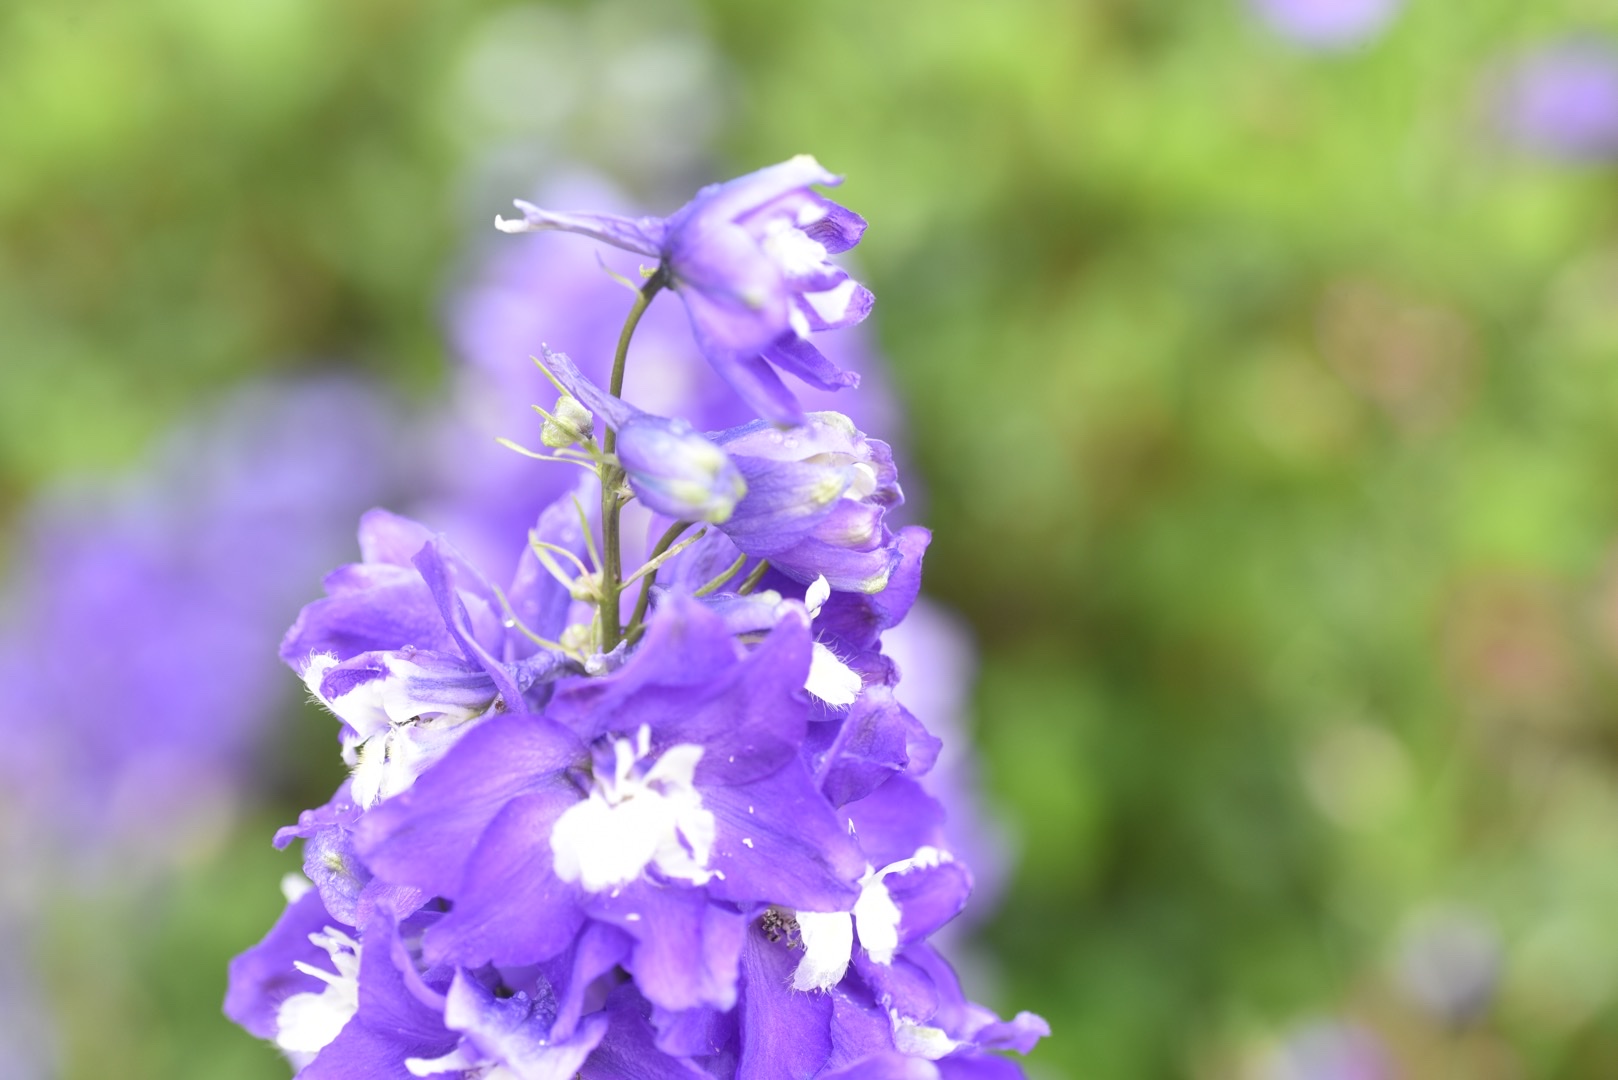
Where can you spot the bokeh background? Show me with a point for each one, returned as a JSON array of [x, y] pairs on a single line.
[[1259, 363]]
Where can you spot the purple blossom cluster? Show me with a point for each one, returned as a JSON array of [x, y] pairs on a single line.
[[657, 823]]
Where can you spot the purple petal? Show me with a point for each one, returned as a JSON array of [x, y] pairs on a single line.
[[395, 615], [784, 503], [778, 841], [845, 569], [451, 579], [735, 198], [264, 976], [858, 619], [615, 411], [890, 1065], [686, 683], [392, 1024], [784, 1032], [928, 897], [340, 808], [971, 1066], [391, 539], [861, 1030], [514, 1032], [629, 1050], [902, 986], [701, 1033], [424, 835], [839, 230], [756, 383], [895, 820], [510, 907], [1021, 1033], [877, 739], [797, 356], [644, 236], [598, 949], [686, 948], [736, 296]]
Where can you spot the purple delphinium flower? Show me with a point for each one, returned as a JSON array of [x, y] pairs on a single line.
[[343, 1004], [530, 290], [812, 499], [700, 803], [1327, 24], [412, 645], [694, 845], [750, 258], [1560, 101], [817, 501]]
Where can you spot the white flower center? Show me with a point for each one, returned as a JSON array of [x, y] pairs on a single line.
[[307, 1022], [828, 938], [396, 735], [796, 252], [919, 1040], [828, 942], [630, 822], [831, 680]]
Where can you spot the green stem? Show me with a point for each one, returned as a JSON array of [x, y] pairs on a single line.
[[724, 576], [646, 583], [750, 582], [612, 476]]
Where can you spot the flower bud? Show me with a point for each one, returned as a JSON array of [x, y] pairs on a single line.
[[816, 499], [570, 422], [677, 472]]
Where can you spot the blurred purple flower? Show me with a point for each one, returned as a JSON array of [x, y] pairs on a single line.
[[138, 651], [1331, 1050], [1561, 101], [1327, 24]]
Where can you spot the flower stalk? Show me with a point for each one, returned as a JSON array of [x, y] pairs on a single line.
[[612, 475]]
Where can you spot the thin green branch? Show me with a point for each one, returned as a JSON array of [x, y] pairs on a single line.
[[750, 582], [612, 475], [716, 582]]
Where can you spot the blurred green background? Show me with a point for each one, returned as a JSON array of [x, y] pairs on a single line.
[[1266, 403]]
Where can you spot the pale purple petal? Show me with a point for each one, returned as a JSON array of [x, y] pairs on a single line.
[[686, 947], [645, 236]]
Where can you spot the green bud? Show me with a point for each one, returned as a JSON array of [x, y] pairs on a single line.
[[569, 423]]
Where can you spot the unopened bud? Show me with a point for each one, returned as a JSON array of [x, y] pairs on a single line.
[[586, 588], [677, 472], [578, 638], [569, 423]]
